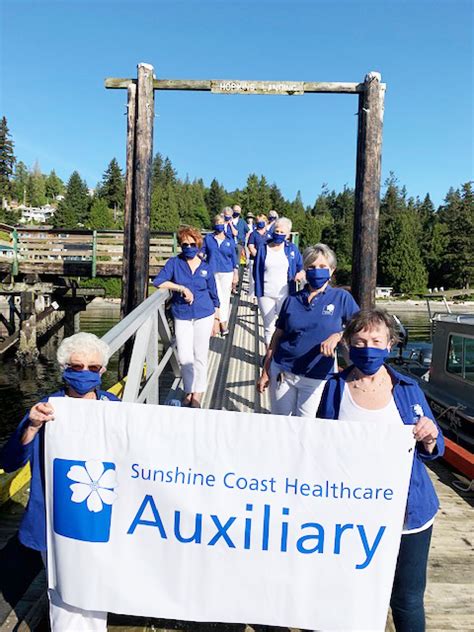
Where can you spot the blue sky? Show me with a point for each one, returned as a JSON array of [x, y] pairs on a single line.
[[55, 56]]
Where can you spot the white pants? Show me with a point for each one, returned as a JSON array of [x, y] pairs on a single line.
[[192, 341], [269, 310], [66, 618], [251, 279], [292, 394], [224, 289]]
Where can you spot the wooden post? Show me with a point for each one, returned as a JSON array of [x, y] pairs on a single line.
[[367, 190], [128, 207], [136, 247]]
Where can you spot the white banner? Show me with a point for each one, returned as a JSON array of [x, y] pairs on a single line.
[[208, 515]]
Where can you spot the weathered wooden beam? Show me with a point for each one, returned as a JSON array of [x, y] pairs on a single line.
[[235, 86], [128, 206], [367, 190]]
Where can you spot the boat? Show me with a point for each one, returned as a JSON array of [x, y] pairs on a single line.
[[446, 375]]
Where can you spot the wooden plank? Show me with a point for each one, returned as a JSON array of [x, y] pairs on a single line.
[[206, 85]]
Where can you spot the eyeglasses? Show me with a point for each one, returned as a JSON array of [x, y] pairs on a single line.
[[185, 245], [95, 368]]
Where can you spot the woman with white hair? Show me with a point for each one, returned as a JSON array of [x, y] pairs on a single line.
[[278, 266], [301, 354], [83, 359]]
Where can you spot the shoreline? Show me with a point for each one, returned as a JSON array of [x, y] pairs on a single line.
[[392, 306]]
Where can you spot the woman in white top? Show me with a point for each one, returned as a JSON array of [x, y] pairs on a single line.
[[371, 389], [278, 266]]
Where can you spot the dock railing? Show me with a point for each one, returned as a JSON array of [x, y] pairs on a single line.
[[148, 325]]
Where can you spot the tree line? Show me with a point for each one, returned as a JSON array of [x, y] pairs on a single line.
[[420, 246]]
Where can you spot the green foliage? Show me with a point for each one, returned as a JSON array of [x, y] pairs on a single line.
[[215, 198], [74, 209], [7, 159], [457, 259], [112, 286], [20, 182], [100, 215], [112, 188], [164, 209], [54, 186], [35, 187]]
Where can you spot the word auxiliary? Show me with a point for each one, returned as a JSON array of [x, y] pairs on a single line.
[[273, 532]]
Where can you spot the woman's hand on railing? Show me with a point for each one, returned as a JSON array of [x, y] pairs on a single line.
[[263, 382]]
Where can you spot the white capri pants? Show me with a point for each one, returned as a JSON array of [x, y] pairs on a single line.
[[192, 341], [66, 618], [224, 289], [292, 394], [269, 309]]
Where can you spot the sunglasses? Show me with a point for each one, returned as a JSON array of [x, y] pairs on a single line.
[[95, 368], [185, 245]]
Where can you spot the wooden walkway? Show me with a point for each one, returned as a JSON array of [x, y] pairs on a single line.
[[234, 367]]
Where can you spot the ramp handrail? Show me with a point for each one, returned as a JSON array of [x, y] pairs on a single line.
[[149, 325]]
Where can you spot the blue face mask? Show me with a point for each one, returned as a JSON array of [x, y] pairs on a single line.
[[368, 359], [260, 224], [235, 214], [219, 228], [227, 218], [82, 381], [317, 277], [189, 252], [278, 238]]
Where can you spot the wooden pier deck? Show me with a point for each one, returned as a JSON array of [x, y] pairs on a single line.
[[234, 367]]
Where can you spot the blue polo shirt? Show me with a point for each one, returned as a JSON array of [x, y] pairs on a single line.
[[305, 325], [13, 455], [256, 239], [220, 254], [242, 230], [201, 283]]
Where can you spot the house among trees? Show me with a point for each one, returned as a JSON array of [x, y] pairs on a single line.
[[41, 214]]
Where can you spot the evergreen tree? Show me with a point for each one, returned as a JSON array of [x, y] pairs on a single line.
[[156, 171], [265, 200], [458, 258], [100, 215], [164, 209], [7, 160], [277, 201], [215, 198], [74, 209], [112, 187], [35, 187], [401, 260], [20, 182], [54, 186], [251, 195]]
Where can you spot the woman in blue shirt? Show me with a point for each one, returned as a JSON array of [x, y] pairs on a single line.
[[370, 389], [195, 308], [83, 358], [257, 237], [278, 266], [309, 327], [219, 252]]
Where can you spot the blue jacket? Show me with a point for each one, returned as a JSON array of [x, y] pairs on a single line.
[[221, 256], [295, 261], [201, 283], [422, 503], [242, 230], [32, 532]]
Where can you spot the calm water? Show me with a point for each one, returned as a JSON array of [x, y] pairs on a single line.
[[20, 388]]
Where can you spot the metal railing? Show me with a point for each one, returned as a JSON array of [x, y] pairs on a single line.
[[149, 325]]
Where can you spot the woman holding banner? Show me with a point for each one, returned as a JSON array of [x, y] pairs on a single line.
[[370, 389], [195, 308], [82, 358], [301, 354]]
